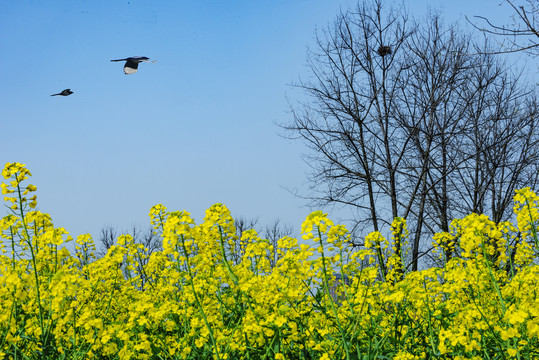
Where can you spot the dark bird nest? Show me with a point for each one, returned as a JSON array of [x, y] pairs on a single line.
[[384, 50]]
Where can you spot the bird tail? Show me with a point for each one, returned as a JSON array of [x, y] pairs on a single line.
[[118, 60], [55, 94]]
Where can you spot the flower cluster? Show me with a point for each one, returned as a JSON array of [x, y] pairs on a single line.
[[16, 195], [309, 299]]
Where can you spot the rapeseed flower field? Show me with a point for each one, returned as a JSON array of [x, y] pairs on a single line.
[[190, 301]]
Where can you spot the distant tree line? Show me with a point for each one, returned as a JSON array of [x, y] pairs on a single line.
[[149, 238], [152, 241]]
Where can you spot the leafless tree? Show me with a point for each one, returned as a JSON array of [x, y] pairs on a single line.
[[147, 237], [431, 113], [107, 238], [499, 151], [478, 143], [349, 120], [398, 115], [522, 34], [273, 233], [150, 241], [242, 224]]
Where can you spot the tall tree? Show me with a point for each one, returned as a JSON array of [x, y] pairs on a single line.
[[273, 233], [431, 112], [403, 120], [349, 122], [149, 239]]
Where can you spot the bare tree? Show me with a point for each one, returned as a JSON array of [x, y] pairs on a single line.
[[475, 137], [242, 224], [522, 34], [431, 113], [273, 233], [107, 238], [499, 151], [403, 120], [349, 122], [151, 243], [149, 239]]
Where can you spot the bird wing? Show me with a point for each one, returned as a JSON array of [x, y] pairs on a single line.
[[119, 60], [130, 67]]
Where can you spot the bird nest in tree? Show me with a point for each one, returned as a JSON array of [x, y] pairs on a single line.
[[384, 50]]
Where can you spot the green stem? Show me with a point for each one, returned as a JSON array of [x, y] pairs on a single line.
[[227, 265], [197, 300], [332, 303], [381, 260], [492, 278], [431, 335], [33, 259], [533, 228]]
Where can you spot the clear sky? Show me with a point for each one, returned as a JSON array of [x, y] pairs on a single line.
[[195, 128]]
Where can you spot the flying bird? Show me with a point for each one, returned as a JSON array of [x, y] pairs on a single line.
[[131, 63], [65, 92]]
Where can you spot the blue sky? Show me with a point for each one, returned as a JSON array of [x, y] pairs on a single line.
[[195, 128]]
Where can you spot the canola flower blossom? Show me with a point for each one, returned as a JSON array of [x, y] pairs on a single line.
[[191, 300]]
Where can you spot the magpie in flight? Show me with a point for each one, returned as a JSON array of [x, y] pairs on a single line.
[[65, 92], [131, 63]]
